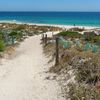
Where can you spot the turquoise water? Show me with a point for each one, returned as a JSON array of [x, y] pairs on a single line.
[[61, 18]]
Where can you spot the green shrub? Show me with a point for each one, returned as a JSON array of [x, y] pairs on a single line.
[[91, 37], [2, 46], [1, 35], [13, 36], [20, 27], [13, 33], [70, 34], [19, 36]]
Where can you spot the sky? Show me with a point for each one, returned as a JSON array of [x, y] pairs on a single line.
[[49, 5]]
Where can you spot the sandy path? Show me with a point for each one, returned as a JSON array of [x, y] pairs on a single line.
[[23, 77]]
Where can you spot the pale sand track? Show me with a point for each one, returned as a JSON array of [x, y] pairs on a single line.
[[23, 77]]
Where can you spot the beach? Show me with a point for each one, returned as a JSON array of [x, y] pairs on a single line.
[[67, 20], [24, 76], [53, 25], [49, 50]]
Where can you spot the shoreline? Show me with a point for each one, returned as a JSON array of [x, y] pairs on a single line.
[[53, 25]]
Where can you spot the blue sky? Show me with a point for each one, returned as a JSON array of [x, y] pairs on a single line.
[[49, 5]]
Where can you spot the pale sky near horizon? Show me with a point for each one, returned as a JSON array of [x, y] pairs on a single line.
[[49, 5]]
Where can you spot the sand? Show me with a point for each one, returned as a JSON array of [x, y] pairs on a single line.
[[23, 76], [53, 25]]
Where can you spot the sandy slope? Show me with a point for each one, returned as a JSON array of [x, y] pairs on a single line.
[[23, 77]]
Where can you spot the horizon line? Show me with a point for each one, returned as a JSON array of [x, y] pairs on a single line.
[[49, 11]]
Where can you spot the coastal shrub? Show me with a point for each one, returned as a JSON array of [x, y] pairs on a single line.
[[70, 34], [76, 92], [13, 35], [65, 43], [82, 92], [91, 37], [96, 39], [19, 36], [20, 27], [1, 35], [2, 46], [87, 69]]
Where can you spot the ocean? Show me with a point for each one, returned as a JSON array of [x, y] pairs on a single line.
[[59, 18]]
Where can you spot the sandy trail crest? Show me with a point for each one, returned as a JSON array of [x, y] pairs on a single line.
[[23, 77]]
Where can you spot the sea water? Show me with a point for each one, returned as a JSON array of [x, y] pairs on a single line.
[[59, 18]]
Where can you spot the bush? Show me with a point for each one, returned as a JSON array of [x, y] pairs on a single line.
[[1, 35], [76, 92], [70, 34], [91, 37], [2, 46], [19, 36], [13, 33], [20, 27], [79, 91], [86, 69], [13, 36]]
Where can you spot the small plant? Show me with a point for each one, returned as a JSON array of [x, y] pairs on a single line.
[[70, 34], [1, 35], [2, 46], [19, 36], [13, 35], [91, 37], [82, 92], [20, 27]]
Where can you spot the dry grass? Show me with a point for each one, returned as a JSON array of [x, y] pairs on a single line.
[[9, 51], [87, 70]]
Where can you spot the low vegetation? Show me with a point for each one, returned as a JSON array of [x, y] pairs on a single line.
[[2, 45], [91, 37], [10, 34], [84, 66], [20, 27], [70, 34]]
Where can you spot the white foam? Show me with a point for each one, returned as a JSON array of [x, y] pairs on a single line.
[[54, 25]]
